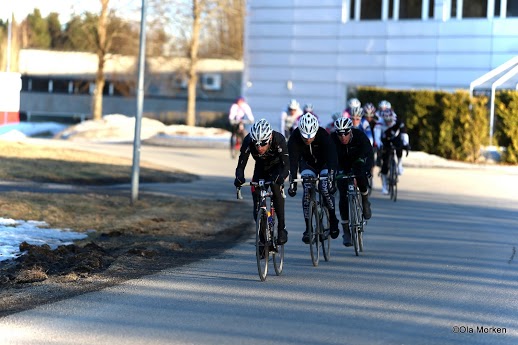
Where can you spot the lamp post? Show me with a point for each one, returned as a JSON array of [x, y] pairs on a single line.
[[140, 105]]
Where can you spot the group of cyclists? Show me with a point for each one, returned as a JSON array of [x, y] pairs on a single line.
[[347, 144]]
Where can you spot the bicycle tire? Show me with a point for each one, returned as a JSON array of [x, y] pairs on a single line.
[[261, 252], [353, 222], [325, 228], [360, 233], [278, 254], [313, 226]]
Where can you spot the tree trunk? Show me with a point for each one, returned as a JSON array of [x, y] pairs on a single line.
[[97, 100], [193, 54]]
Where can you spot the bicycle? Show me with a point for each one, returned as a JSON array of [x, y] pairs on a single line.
[[318, 223], [266, 231], [237, 136], [356, 221]]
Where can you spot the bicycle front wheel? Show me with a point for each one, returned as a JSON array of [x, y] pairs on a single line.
[[353, 222], [261, 245], [313, 233], [325, 228], [278, 253]]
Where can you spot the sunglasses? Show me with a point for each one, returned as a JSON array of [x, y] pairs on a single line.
[[343, 134], [262, 143]]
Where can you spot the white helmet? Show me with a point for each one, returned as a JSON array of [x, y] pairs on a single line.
[[293, 104], [261, 131], [354, 103], [383, 105], [308, 108], [308, 126], [336, 116], [343, 125]]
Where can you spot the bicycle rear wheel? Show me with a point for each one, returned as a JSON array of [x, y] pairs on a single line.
[[360, 234], [353, 222], [261, 245], [278, 253], [325, 237], [313, 233]]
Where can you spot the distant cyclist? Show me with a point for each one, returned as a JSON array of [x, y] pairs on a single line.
[[312, 153], [289, 118], [270, 152], [239, 114], [354, 150], [352, 106], [330, 127], [390, 130]]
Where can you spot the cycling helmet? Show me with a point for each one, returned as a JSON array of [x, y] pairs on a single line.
[[369, 109], [293, 105], [308, 126], [343, 125], [261, 131], [384, 105], [354, 103], [308, 108], [336, 116], [357, 112]]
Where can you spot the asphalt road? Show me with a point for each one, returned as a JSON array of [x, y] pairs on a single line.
[[439, 267]]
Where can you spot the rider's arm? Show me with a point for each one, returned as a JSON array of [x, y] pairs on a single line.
[[377, 135], [294, 153], [243, 158], [248, 112], [232, 115], [283, 152]]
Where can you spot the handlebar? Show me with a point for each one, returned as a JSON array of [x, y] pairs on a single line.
[[309, 178], [255, 184]]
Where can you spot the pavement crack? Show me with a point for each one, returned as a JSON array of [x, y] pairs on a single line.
[[512, 255]]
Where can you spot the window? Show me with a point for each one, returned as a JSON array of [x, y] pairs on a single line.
[[369, 9], [512, 8], [410, 9], [475, 8]]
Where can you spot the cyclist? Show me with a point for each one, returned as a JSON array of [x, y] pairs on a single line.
[[369, 113], [390, 130], [236, 116], [353, 149], [311, 151], [352, 105], [308, 108], [289, 118], [269, 150], [330, 128]]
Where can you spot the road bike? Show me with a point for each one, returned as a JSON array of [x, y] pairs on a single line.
[[266, 230], [356, 221], [237, 136], [318, 227]]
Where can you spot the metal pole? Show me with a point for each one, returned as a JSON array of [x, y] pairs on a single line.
[[9, 39], [140, 104]]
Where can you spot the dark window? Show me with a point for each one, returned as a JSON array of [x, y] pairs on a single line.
[[512, 8], [431, 7], [453, 8], [474, 9], [59, 86], [40, 84], [410, 9], [370, 10]]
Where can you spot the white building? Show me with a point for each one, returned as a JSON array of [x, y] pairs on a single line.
[[317, 50]]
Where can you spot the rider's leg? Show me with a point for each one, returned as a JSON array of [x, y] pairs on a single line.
[[343, 205], [362, 183], [305, 201], [399, 155], [384, 170], [278, 203], [329, 201]]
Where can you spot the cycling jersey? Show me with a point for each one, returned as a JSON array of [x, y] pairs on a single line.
[[317, 155], [239, 111]]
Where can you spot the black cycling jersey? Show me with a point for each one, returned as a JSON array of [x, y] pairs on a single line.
[[393, 134], [273, 160], [358, 147], [318, 155]]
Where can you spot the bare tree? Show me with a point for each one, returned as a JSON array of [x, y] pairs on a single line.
[[101, 51]]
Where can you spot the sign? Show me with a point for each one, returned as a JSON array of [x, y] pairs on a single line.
[[10, 87]]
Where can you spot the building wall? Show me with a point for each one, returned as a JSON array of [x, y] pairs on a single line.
[[309, 50]]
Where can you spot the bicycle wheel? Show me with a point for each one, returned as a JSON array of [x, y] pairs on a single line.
[[278, 253], [313, 233], [353, 222], [261, 245], [360, 232], [325, 228]]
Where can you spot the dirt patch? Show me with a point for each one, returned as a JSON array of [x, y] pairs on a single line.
[[157, 234]]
